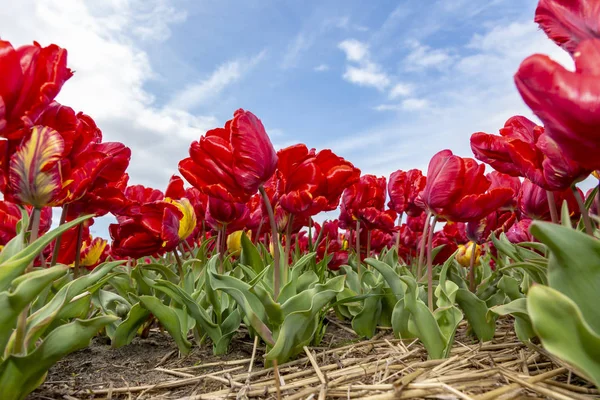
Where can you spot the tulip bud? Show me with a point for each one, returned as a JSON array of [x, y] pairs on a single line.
[[464, 254], [234, 243]]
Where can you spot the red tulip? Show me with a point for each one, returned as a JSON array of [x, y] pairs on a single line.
[[495, 222], [330, 244], [568, 22], [220, 214], [533, 201], [365, 201], [150, 224], [10, 215], [498, 180], [31, 78], [403, 188], [450, 246], [524, 149], [308, 182], [457, 189], [231, 163], [567, 102], [519, 232]]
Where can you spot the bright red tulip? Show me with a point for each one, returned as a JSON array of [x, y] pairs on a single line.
[[568, 22], [220, 214], [524, 149], [10, 215], [403, 188], [457, 189], [499, 180], [310, 182], [31, 78], [364, 201], [567, 102], [519, 232], [231, 163]]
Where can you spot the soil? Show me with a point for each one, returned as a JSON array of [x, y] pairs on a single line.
[[101, 366]]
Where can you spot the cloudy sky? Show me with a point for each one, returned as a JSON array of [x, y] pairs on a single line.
[[385, 84]]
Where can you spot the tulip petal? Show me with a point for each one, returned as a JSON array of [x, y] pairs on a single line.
[[34, 169]]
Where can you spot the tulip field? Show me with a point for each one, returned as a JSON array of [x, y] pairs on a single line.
[[448, 283]]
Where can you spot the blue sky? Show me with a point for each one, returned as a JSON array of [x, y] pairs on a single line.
[[385, 84]]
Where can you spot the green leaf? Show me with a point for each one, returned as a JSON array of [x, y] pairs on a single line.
[[127, 329], [518, 309], [476, 311], [563, 330], [169, 319], [390, 276], [365, 322], [573, 267], [26, 290], [250, 255], [14, 266], [510, 286], [20, 375]]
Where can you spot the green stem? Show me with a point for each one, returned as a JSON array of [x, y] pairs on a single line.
[[288, 244], [359, 265], [368, 243], [275, 242], [78, 250], [430, 264], [472, 268], [260, 224], [423, 245], [310, 241], [398, 236], [552, 206], [589, 229], [179, 267], [63, 218]]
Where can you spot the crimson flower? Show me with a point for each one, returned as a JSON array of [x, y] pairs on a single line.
[[310, 182], [150, 224], [533, 201], [568, 22], [404, 188], [364, 201], [31, 78], [566, 101], [524, 149], [499, 180], [231, 163], [10, 215], [226, 214], [457, 189], [519, 232]]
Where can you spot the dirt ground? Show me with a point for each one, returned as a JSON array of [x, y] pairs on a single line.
[[100, 366]]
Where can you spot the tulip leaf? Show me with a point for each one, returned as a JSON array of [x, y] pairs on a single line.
[[476, 312], [510, 286], [16, 244], [20, 375], [162, 270], [365, 322], [390, 276], [250, 255], [301, 318], [422, 322], [518, 309], [573, 267], [26, 290], [14, 266], [400, 318], [127, 329], [169, 319], [564, 331]]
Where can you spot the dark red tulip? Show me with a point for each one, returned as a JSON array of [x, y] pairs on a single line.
[[569, 22], [495, 222], [519, 232], [231, 163], [566, 101], [220, 214], [533, 201], [309, 182], [450, 246], [403, 189], [524, 149], [10, 215], [31, 78], [456, 232], [330, 244], [457, 189], [365, 201]]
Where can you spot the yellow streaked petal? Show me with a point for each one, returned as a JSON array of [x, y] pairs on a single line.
[[92, 253], [34, 168], [187, 223]]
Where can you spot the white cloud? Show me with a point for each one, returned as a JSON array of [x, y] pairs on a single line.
[[400, 90], [412, 104], [423, 57], [321, 68], [369, 75], [206, 90], [355, 51]]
